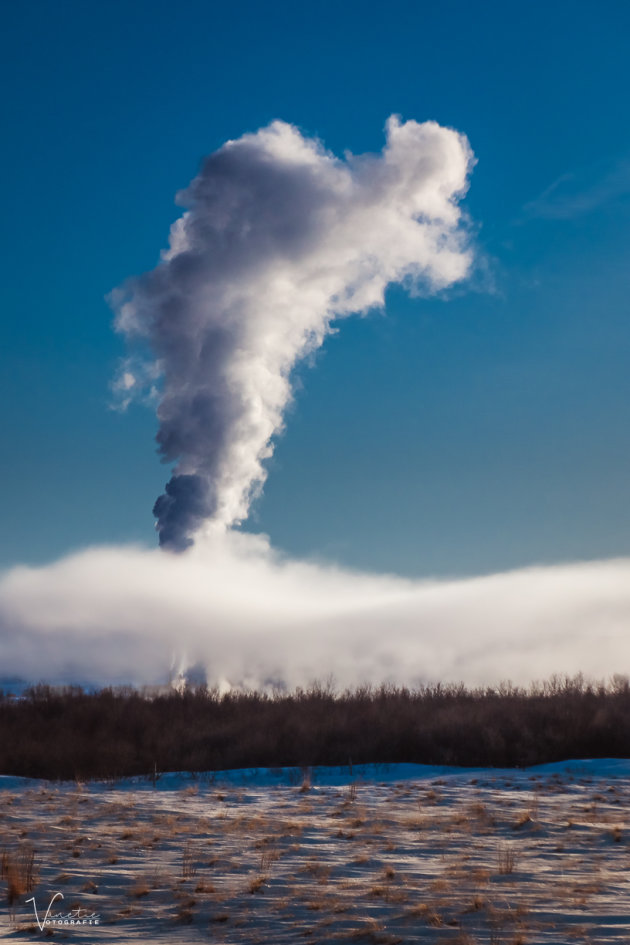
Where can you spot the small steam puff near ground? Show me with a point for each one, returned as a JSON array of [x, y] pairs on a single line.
[[248, 616]]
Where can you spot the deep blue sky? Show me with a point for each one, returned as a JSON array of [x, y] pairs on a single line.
[[477, 433]]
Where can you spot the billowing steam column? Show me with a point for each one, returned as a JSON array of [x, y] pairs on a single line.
[[280, 237]]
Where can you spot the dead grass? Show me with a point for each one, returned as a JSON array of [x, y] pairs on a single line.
[[429, 876], [189, 861], [506, 859], [17, 869], [268, 857], [204, 888], [257, 884], [184, 913], [427, 912]]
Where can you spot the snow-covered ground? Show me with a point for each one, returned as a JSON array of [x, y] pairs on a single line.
[[400, 853]]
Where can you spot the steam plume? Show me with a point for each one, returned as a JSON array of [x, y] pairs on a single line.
[[280, 237], [125, 614]]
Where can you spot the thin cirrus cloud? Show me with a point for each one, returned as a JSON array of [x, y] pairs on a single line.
[[279, 238], [575, 194]]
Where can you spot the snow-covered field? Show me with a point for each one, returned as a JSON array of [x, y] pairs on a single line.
[[404, 853]]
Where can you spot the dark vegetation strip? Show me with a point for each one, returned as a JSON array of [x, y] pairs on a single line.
[[67, 733]]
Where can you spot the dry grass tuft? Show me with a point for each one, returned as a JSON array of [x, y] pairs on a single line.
[[506, 859], [184, 914], [17, 867], [476, 904], [204, 888], [427, 912], [139, 889], [256, 884], [268, 857], [189, 861]]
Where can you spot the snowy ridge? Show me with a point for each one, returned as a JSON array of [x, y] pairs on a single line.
[[340, 775]]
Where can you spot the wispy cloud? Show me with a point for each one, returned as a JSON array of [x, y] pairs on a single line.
[[578, 193], [135, 381]]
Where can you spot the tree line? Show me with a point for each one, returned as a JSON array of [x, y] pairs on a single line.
[[66, 733]]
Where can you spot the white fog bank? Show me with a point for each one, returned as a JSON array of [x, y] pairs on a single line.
[[248, 616]]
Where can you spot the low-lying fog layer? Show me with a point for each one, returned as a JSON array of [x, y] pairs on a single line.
[[243, 614]]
